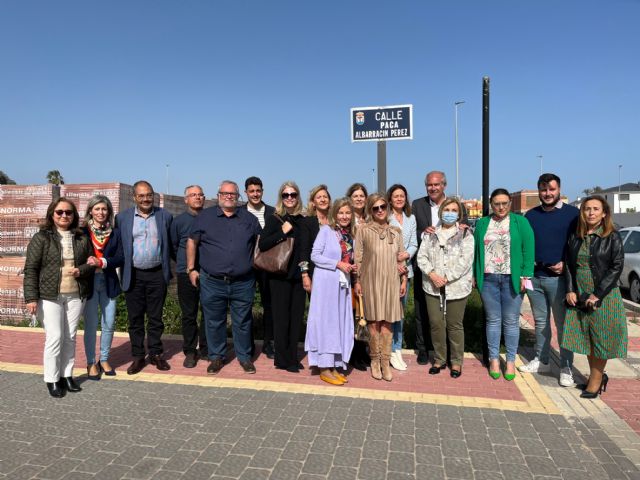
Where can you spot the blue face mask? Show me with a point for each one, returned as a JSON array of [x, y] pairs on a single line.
[[449, 217]]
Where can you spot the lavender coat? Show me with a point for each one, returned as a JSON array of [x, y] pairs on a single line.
[[330, 320]]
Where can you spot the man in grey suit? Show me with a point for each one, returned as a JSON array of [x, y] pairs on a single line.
[[426, 211], [146, 244]]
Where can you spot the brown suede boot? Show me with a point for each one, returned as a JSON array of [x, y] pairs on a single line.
[[386, 340], [374, 353]]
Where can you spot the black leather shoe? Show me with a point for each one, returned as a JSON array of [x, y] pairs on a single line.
[[436, 370], [215, 366], [159, 362], [136, 366], [70, 384], [248, 366], [55, 390], [423, 358], [190, 360], [455, 373], [268, 349]]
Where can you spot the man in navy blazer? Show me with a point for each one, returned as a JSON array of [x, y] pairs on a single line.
[[146, 245]]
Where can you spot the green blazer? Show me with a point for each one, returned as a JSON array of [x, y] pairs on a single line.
[[522, 249]]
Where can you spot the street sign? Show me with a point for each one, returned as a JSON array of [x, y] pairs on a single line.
[[375, 124]]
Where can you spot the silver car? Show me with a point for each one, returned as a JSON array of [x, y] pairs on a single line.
[[630, 278]]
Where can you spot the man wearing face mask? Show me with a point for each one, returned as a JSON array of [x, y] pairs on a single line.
[[426, 210], [552, 222]]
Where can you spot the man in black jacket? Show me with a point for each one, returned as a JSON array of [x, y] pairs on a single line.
[[254, 191]]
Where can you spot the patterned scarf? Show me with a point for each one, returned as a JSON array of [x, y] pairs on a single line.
[[346, 245], [99, 236]]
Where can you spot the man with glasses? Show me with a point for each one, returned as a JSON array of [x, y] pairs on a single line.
[[259, 209], [223, 237], [551, 221], [188, 295], [146, 245]]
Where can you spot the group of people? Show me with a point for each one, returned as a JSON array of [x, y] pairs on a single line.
[[357, 254]]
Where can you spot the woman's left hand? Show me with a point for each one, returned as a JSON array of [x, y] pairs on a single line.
[[523, 284], [403, 287], [306, 283], [403, 256], [75, 272], [592, 300], [402, 269]]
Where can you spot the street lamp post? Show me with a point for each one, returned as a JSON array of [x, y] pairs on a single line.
[[540, 157], [167, 165], [619, 187], [456, 104]]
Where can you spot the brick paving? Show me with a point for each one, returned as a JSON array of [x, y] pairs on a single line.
[[140, 430]]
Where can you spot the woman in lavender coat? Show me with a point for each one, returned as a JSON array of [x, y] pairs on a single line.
[[329, 338]]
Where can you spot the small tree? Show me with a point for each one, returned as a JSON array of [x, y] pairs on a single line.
[[5, 179], [55, 177], [593, 190]]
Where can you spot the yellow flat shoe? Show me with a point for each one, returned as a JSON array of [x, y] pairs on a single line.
[[330, 379], [341, 377]]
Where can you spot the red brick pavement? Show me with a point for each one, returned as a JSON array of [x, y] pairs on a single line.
[[25, 347]]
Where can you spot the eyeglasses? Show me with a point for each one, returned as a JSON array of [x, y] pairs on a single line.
[[286, 195], [379, 208], [193, 195], [500, 204], [228, 194], [144, 195], [60, 213]]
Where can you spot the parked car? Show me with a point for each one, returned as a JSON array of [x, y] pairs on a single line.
[[630, 278]]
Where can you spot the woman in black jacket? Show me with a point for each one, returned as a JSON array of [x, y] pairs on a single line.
[[56, 283], [287, 294], [596, 324], [106, 256]]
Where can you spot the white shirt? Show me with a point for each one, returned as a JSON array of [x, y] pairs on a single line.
[[259, 214]]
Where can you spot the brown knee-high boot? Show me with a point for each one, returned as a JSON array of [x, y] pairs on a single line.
[[374, 353], [386, 340]]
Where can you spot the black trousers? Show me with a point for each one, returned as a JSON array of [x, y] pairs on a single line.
[[192, 334], [423, 329], [287, 304], [146, 296], [262, 278]]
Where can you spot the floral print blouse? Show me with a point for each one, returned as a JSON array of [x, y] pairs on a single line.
[[497, 245]]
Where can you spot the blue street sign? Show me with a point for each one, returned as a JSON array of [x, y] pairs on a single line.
[[374, 124]]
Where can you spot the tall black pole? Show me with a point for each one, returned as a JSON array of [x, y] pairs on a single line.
[[485, 191], [485, 146], [382, 166]]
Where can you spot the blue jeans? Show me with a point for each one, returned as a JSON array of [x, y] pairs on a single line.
[[397, 326], [216, 296], [107, 317], [547, 297], [502, 309]]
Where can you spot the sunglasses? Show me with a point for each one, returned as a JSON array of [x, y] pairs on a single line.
[[379, 208], [60, 213], [286, 195]]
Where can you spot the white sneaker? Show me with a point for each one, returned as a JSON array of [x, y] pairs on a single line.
[[535, 366], [566, 377], [395, 363], [400, 359]]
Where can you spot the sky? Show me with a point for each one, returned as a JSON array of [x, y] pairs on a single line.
[[116, 91]]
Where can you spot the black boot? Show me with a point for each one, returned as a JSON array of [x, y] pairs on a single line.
[[70, 384], [55, 390]]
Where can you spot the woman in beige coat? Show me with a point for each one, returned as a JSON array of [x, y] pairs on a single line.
[[377, 248]]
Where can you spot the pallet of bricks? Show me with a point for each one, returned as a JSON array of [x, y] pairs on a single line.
[[23, 209]]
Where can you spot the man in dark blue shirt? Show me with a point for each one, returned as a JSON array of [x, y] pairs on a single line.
[[188, 295], [225, 237], [551, 221]]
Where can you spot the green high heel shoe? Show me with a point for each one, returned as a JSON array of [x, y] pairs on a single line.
[[509, 376], [494, 375]]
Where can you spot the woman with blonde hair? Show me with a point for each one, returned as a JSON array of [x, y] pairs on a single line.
[[596, 323], [287, 294], [378, 249], [329, 338], [317, 214]]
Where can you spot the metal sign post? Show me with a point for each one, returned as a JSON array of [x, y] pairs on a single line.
[[379, 124]]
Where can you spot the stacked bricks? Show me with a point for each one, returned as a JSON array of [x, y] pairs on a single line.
[[23, 209], [120, 194]]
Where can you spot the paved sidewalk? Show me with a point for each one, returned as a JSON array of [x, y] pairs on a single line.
[[184, 424]]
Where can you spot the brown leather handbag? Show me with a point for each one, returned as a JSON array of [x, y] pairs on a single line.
[[276, 259], [361, 331]]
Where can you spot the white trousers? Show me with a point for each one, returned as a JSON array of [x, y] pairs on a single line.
[[60, 320]]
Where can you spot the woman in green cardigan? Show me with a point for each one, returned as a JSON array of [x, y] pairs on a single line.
[[504, 258]]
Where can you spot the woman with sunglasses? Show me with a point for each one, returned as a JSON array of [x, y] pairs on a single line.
[[378, 251], [317, 215], [287, 294], [503, 266], [329, 338], [106, 256], [56, 282]]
